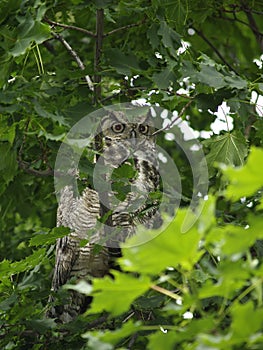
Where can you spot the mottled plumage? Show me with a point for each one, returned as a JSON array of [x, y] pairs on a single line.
[[119, 141]]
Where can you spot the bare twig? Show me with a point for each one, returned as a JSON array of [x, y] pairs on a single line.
[[235, 19], [172, 123], [41, 173], [201, 34], [128, 26], [66, 26], [97, 322], [132, 340], [99, 39], [254, 27], [76, 58]]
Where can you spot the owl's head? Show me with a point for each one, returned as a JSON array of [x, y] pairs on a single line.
[[117, 126], [121, 136]]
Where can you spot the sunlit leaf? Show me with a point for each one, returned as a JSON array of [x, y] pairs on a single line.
[[244, 181], [115, 336], [241, 328], [179, 249], [116, 295]]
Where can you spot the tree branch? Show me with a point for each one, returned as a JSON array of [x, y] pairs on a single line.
[[172, 123], [128, 26], [201, 34], [76, 58], [66, 26], [253, 26], [97, 58], [41, 173]]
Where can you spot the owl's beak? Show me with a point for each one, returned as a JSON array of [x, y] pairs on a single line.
[[133, 138]]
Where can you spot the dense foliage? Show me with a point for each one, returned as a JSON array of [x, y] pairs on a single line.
[[61, 60]]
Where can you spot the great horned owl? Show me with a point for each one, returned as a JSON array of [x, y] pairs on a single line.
[[104, 215]]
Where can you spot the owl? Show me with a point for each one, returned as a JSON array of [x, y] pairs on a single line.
[[107, 213]]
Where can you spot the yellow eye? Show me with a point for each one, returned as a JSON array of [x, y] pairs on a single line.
[[118, 127], [143, 129]]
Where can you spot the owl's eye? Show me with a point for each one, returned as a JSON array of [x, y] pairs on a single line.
[[143, 128], [118, 127]]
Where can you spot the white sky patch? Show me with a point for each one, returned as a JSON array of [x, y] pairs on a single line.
[[164, 114], [195, 147], [204, 134], [158, 55], [191, 31], [189, 133], [259, 61], [183, 48], [162, 157], [188, 315], [169, 136], [140, 102], [243, 199], [223, 122], [258, 101], [188, 87], [163, 330], [153, 112]]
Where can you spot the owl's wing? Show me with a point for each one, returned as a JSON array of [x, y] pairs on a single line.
[[66, 255], [66, 249]]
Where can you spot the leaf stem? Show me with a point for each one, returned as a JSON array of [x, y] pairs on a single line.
[[166, 292]]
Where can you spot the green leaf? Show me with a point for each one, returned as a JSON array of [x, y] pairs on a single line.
[[236, 82], [124, 171], [158, 339], [7, 268], [180, 248], [232, 239], [164, 79], [81, 287], [7, 132], [246, 321], [41, 325], [95, 344], [115, 336], [153, 36], [45, 114], [116, 295], [44, 238], [207, 218], [170, 39], [8, 163], [209, 76], [29, 32], [246, 180], [230, 275], [123, 63], [230, 148]]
